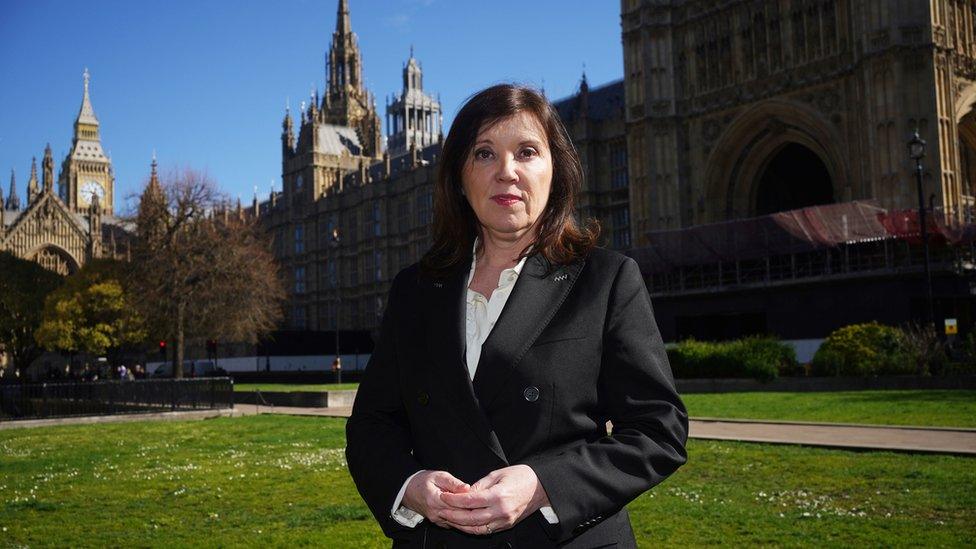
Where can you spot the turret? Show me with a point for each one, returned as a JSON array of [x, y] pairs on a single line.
[[95, 227], [584, 97], [13, 201], [48, 166], [287, 135], [32, 188]]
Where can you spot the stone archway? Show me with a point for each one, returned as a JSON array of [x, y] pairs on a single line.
[[55, 259], [740, 159], [794, 177], [967, 153]]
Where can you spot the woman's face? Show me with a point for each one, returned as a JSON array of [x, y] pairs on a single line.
[[508, 174]]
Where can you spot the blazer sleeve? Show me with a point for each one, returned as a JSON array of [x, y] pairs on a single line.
[[593, 480], [378, 441]]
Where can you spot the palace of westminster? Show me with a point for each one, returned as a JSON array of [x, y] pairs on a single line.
[[727, 109]]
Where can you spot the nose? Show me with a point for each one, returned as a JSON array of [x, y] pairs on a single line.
[[507, 168]]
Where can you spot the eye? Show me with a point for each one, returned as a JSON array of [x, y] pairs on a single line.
[[528, 152], [483, 154]]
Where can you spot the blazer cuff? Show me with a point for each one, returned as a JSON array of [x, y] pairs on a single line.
[[404, 515]]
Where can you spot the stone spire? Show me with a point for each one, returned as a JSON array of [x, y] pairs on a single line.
[[48, 166], [287, 134], [154, 174], [152, 215], [87, 113], [13, 201], [412, 74], [32, 188], [344, 59], [584, 96], [342, 18]]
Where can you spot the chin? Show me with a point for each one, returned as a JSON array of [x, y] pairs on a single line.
[[507, 226]]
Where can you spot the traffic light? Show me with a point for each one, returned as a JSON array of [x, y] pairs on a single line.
[[162, 349]]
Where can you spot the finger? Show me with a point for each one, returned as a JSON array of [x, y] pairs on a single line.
[[469, 500], [463, 517], [489, 480], [473, 530], [449, 483]]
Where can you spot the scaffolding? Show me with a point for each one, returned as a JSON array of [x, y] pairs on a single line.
[[837, 240]]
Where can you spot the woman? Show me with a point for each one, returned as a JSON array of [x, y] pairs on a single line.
[[481, 420]]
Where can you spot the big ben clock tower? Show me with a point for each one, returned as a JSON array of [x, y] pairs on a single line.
[[86, 171]]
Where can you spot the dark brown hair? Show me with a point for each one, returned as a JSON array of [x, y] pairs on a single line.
[[560, 240]]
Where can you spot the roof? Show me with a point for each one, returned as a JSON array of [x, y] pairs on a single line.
[[88, 150], [401, 163], [87, 113], [337, 140], [604, 102]]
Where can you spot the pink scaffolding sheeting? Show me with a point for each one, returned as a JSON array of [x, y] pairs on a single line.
[[793, 231]]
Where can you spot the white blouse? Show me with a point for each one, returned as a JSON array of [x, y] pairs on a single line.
[[480, 313]]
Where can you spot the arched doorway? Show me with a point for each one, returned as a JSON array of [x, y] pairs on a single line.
[[55, 259], [795, 177], [755, 151], [967, 162]]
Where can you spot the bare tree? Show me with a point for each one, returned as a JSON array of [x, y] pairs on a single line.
[[201, 271]]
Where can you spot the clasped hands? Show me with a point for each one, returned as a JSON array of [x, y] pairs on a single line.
[[496, 502]]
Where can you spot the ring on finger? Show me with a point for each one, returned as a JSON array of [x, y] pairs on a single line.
[[488, 529]]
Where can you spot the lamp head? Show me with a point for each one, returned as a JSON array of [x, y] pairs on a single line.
[[916, 147]]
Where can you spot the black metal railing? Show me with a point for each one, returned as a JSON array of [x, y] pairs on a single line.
[[110, 397]]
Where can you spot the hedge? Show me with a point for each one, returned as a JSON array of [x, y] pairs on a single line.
[[760, 358]]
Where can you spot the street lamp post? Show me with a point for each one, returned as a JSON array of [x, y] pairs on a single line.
[[337, 364], [916, 150]]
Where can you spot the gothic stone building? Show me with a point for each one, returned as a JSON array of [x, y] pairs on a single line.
[[336, 175], [742, 108], [736, 109], [63, 229]]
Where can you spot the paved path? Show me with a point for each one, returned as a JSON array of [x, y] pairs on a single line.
[[832, 435], [902, 439], [122, 418]]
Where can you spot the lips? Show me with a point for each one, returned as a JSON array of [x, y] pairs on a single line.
[[506, 199]]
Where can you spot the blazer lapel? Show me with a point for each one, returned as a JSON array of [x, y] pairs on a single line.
[[445, 322], [537, 295]]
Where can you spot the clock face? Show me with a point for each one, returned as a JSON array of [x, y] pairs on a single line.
[[92, 188]]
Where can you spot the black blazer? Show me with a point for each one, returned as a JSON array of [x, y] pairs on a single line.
[[576, 346]]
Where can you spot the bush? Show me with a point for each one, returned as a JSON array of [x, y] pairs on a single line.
[[926, 349], [864, 350], [761, 358], [965, 358]]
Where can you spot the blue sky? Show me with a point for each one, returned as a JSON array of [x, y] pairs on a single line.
[[204, 83]]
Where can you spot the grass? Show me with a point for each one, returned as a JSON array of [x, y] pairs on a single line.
[[938, 408], [931, 408], [282, 481], [286, 388]]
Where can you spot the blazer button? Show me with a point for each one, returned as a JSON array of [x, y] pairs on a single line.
[[423, 398], [531, 393]]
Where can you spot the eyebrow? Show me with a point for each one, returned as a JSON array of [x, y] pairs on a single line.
[[534, 142]]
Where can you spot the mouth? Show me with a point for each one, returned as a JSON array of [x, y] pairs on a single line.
[[506, 199]]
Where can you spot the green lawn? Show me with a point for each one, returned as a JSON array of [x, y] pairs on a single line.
[[928, 408], [932, 408], [285, 388], [281, 481]]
